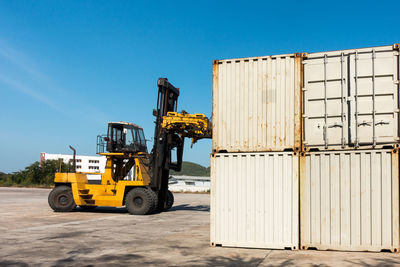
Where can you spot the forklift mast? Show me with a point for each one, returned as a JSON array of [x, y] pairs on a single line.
[[164, 142]]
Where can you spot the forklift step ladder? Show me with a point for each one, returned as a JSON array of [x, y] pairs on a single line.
[[86, 197]]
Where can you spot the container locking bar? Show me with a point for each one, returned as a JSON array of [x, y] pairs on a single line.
[[373, 99], [325, 103], [356, 98], [342, 96]]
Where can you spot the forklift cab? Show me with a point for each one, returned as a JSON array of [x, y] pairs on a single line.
[[125, 137]]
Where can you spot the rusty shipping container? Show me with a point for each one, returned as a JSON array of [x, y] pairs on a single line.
[[351, 99], [254, 200], [349, 200], [256, 104]]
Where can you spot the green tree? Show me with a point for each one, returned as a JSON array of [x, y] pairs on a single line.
[[35, 174]]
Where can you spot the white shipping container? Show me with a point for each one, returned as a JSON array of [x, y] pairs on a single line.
[[256, 104], [350, 98], [349, 200], [254, 200]]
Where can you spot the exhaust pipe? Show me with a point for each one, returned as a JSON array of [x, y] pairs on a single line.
[[74, 161]]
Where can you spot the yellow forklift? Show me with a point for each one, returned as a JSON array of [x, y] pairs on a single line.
[[133, 177]]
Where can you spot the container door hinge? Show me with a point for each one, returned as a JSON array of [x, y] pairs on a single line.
[[335, 125], [364, 123], [382, 123]]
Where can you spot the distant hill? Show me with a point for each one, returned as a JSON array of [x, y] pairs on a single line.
[[192, 169]]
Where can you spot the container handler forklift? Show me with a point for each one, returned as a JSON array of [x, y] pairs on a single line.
[[125, 149]]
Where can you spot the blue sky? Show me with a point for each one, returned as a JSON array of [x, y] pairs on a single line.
[[69, 67]]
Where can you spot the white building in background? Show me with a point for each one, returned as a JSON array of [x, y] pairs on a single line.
[[83, 163], [97, 164], [183, 183]]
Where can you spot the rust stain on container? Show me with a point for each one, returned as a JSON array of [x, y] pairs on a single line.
[[215, 99], [298, 99]]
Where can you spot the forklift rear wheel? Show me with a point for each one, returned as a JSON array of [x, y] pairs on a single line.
[[170, 200], [139, 201], [61, 199]]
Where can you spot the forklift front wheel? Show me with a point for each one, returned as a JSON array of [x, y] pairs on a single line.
[[61, 199], [139, 201], [170, 200], [154, 200]]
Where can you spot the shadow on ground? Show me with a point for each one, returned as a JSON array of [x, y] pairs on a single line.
[[103, 210], [130, 259], [140, 260], [376, 262], [123, 210], [13, 263], [228, 261], [190, 207]]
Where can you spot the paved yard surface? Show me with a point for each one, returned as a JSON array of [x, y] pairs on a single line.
[[31, 234]]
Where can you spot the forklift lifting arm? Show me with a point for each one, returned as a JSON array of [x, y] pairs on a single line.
[[195, 126]]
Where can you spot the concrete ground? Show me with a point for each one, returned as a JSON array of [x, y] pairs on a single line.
[[31, 234]]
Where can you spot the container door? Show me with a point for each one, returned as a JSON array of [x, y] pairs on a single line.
[[351, 98], [373, 93], [325, 101]]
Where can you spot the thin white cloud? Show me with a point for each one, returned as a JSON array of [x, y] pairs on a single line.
[[38, 78], [22, 88], [23, 62]]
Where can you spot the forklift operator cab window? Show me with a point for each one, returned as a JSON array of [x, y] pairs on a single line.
[[129, 137], [125, 138], [118, 138], [141, 137], [136, 136]]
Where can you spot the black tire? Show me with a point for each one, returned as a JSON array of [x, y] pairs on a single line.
[[169, 201], [154, 197], [139, 201], [61, 199]]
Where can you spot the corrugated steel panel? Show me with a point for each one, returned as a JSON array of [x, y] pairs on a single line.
[[254, 200], [351, 98], [256, 104], [349, 200]]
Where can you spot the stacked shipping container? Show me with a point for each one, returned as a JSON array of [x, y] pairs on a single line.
[[311, 132], [256, 144]]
